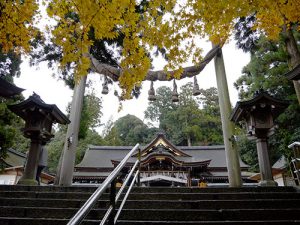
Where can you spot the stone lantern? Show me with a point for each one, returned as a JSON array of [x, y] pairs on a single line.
[[259, 114], [39, 118]]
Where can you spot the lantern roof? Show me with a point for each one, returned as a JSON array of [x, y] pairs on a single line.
[[35, 101], [242, 108], [7, 89], [294, 74]]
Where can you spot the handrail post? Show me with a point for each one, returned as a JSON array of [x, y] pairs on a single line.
[[112, 199], [139, 176], [111, 179]]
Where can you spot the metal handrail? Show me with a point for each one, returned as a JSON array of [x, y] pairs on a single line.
[[111, 207], [88, 205], [125, 197]]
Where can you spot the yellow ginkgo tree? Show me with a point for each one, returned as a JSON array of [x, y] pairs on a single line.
[[17, 28], [170, 25], [144, 25]]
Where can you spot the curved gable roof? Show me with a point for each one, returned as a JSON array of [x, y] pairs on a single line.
[[161, 139]]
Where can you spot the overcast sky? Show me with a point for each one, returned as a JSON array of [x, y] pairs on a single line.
[[53, 91]]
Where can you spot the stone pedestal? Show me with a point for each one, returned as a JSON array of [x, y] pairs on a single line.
[[30, 169], [264, 163]]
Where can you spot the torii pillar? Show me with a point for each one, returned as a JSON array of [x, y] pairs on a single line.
[[232, 157], [67, 161]]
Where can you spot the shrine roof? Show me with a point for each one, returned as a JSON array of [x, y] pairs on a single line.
[[294, 74], [7, 89], [101, 156], [14, 158]]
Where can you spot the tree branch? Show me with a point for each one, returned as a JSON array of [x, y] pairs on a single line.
[[161, 75]]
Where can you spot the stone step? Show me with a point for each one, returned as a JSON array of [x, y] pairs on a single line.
[[48, 188], [91, 189], [46, 212], [154, 204], [49, 194], [39, 221], [210, 189], [210, 215], [46, 202], [244, 222], [213, 204], [55, 205], [157, 196], [214, 196], [158, 214]]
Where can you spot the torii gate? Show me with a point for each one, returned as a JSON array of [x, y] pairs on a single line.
[[67, 161]]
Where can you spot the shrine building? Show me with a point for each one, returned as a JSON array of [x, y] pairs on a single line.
[[162, 164]]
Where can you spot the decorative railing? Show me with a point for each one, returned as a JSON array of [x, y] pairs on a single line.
[[175, 173], [172, 176], [111, 215]]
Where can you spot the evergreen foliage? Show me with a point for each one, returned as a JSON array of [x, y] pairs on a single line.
[[128, 131], [90, 119], [266, 71], [186, 123]]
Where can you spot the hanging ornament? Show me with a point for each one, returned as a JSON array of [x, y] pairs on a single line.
[[174, 93], [196, 90], [105, 87], [151, 93]]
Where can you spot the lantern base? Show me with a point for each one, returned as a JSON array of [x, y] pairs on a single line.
[[267, 183], [30, 182]]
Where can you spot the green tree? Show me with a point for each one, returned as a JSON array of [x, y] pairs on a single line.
[[112, 138], [186, 123], [90, 119], [209, 101], [130, 130], [92, 138], [91, 114], [10, 64], [266, 71], [10, 135], [182, 126], [54, 148], [156, 110]]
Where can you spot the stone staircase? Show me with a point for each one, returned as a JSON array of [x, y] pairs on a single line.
[[51, 205]]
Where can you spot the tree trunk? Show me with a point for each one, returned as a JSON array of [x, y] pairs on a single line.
[[294, 57], [189, 142]]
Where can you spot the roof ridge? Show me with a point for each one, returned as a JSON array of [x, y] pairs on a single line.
[[17, 152]]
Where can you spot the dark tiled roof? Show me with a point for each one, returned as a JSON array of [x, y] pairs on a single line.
[[14, 158], [101, 156], [7, 89], [294, 74]]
